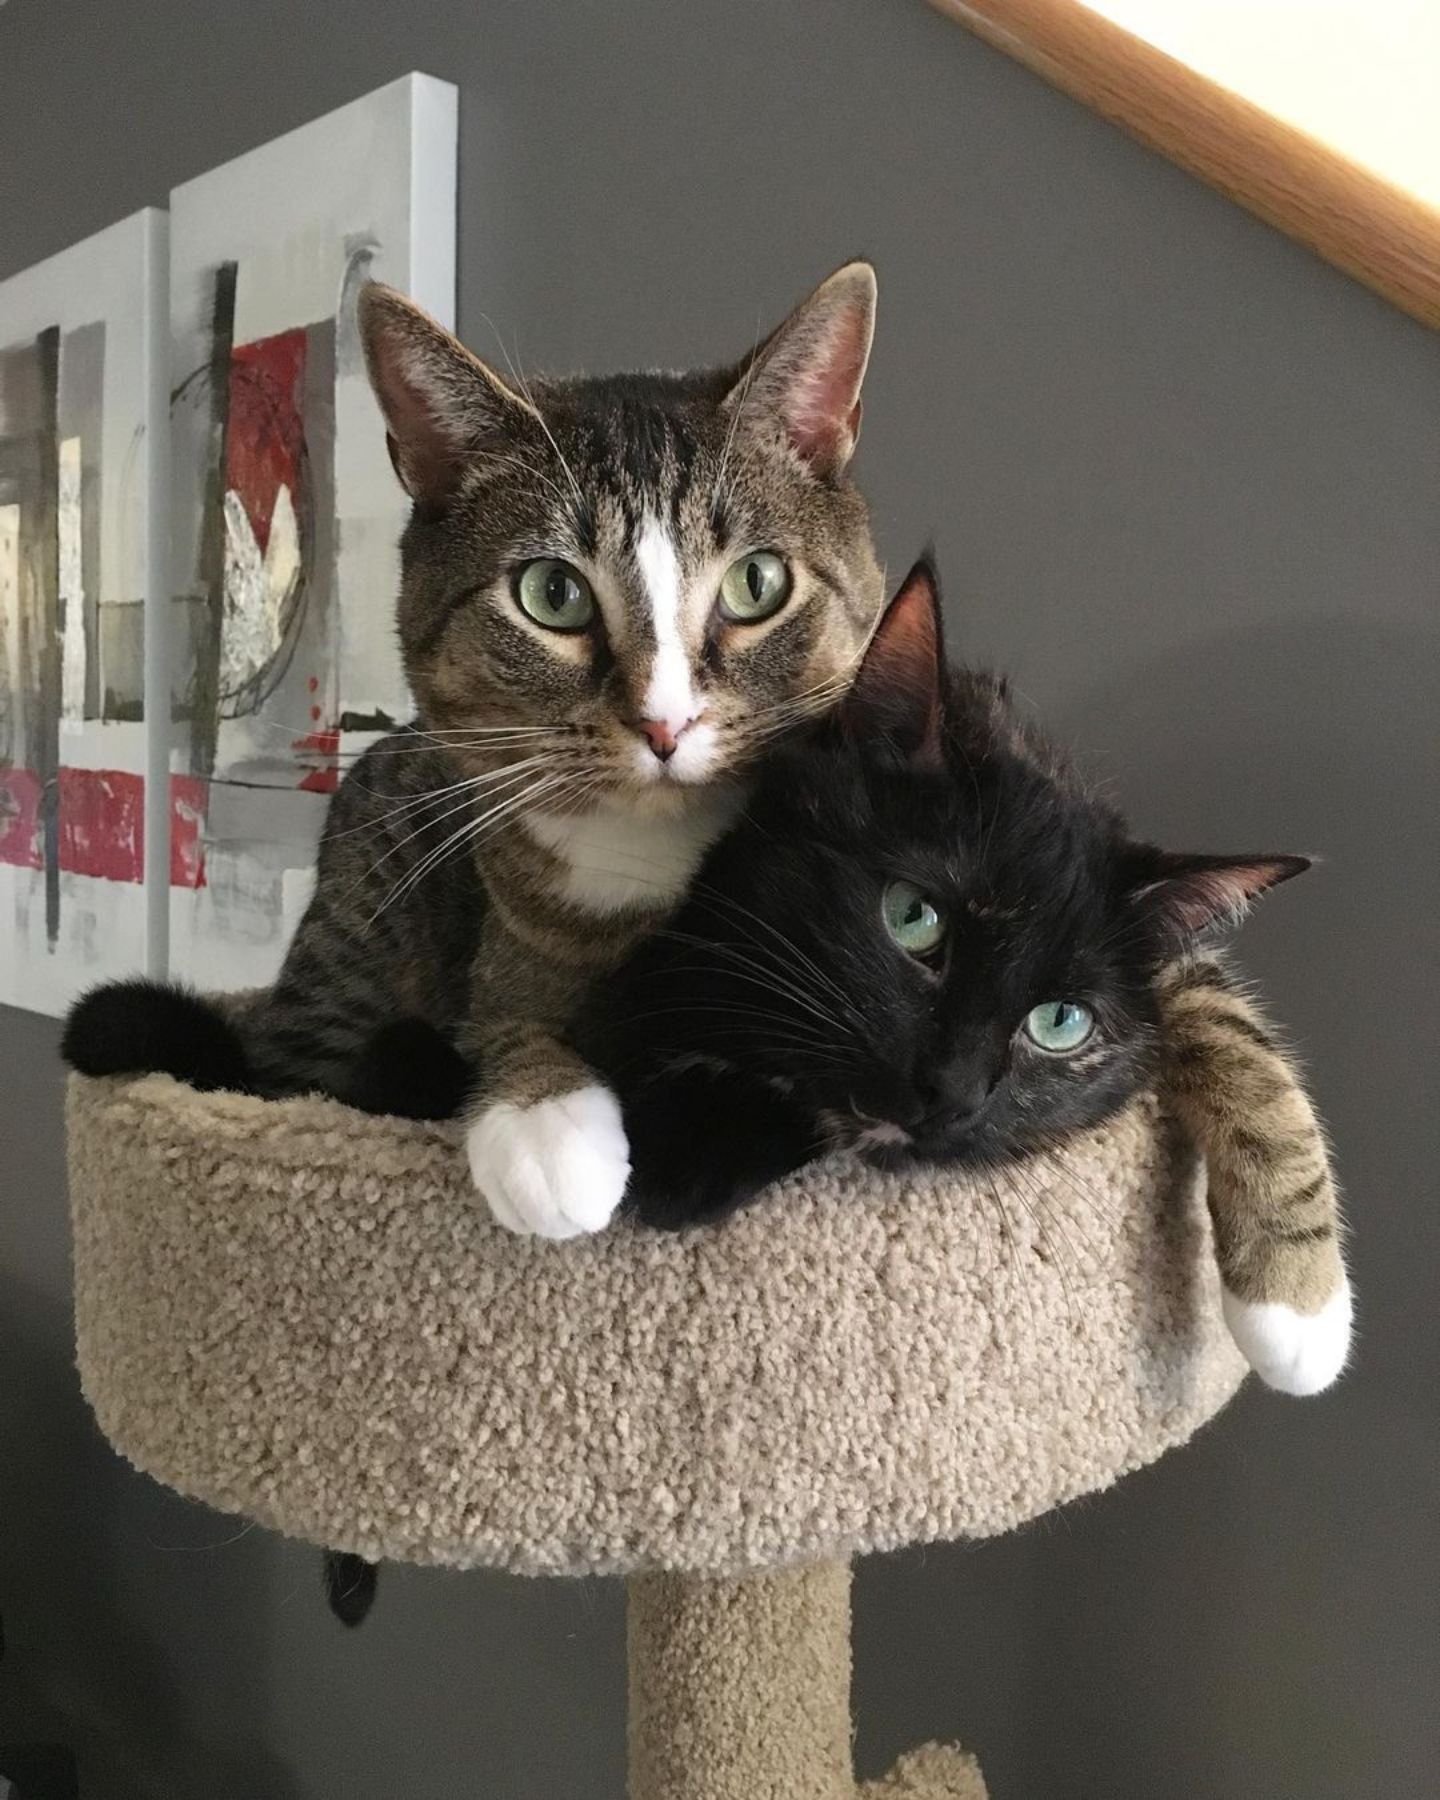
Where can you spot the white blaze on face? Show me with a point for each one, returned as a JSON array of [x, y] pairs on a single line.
[[669, 695]]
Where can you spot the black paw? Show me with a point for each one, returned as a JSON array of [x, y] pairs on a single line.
[[409, 1070], [349, 1583], [691, 1199]]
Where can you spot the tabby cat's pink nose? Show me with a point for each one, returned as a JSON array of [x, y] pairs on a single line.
[[661, 735]]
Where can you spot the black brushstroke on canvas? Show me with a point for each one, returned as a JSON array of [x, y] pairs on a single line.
[[46, 549], [205, 707], [379, 720], [81, 415]]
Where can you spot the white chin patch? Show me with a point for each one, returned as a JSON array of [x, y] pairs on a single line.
[[1298, 1353], [557, 1169]]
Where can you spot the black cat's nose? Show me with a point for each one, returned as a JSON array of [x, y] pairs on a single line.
[[956, 1098]]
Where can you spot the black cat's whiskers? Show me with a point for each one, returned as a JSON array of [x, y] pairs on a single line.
[[767, 975], [713, 896], [799, 1029], [757, 1025], [759, 1031], [1032, 1197], [1108, 1215], [1075, 1189], [989, 1177]]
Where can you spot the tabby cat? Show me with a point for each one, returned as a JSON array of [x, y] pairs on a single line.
[[926, 939], [615, 593]]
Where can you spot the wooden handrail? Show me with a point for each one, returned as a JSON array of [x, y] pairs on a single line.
[[1375, 231]]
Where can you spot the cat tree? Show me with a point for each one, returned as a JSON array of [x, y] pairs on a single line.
[[299, 1313]]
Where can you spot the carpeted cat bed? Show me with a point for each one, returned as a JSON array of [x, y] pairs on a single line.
[[301, 1314]]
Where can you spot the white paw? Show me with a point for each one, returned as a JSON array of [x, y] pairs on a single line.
[[1299, 1353], [557, 1169]]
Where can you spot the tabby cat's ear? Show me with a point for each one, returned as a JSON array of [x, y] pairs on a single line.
[[899, 692], [441, 403], [1192, 895], [807, 375]]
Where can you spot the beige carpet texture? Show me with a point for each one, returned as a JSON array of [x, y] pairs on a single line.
[[302, 1314], [740, 1690]]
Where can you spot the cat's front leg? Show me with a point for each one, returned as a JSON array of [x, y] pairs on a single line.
[[707, 1140], [545, 1139], [1273, 1199]]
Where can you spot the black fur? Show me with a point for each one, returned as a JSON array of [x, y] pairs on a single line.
[[349, 1583], [143, 1027], [410, 1071]]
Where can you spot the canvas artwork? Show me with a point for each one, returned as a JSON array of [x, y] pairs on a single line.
[[285, 512], [82, 418]]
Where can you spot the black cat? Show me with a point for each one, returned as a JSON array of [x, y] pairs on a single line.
[[925, 939]]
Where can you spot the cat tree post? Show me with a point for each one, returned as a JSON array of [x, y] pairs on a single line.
[[740, 1686], [299, 1314]]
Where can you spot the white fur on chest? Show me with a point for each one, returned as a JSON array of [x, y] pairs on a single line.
[[611, 860]]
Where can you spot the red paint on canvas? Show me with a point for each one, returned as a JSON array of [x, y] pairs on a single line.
[[187, 828], [264, 434], [323, 777], [102, 823], [20, 818]]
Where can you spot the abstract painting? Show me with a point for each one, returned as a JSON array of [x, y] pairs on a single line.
[[284, 511], [82, 422]]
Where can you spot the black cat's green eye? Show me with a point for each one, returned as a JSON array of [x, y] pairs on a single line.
[[1059, 1026], [912, 918], [555, 595], [754, 587]]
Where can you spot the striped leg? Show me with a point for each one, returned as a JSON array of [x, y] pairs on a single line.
[[1273, 1199]]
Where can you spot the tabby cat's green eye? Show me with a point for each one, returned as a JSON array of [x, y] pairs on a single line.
[[911, 918], [1059, 1025], [555, 595], [754, 587]]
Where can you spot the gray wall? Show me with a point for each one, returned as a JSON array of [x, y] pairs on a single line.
[[1185, 482]]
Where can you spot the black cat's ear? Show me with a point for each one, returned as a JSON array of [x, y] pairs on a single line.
[[441, 403], [899, 692], [1192, 895], [808, 374]]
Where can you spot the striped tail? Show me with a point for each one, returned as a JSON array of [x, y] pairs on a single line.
[[1273, 1200]]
